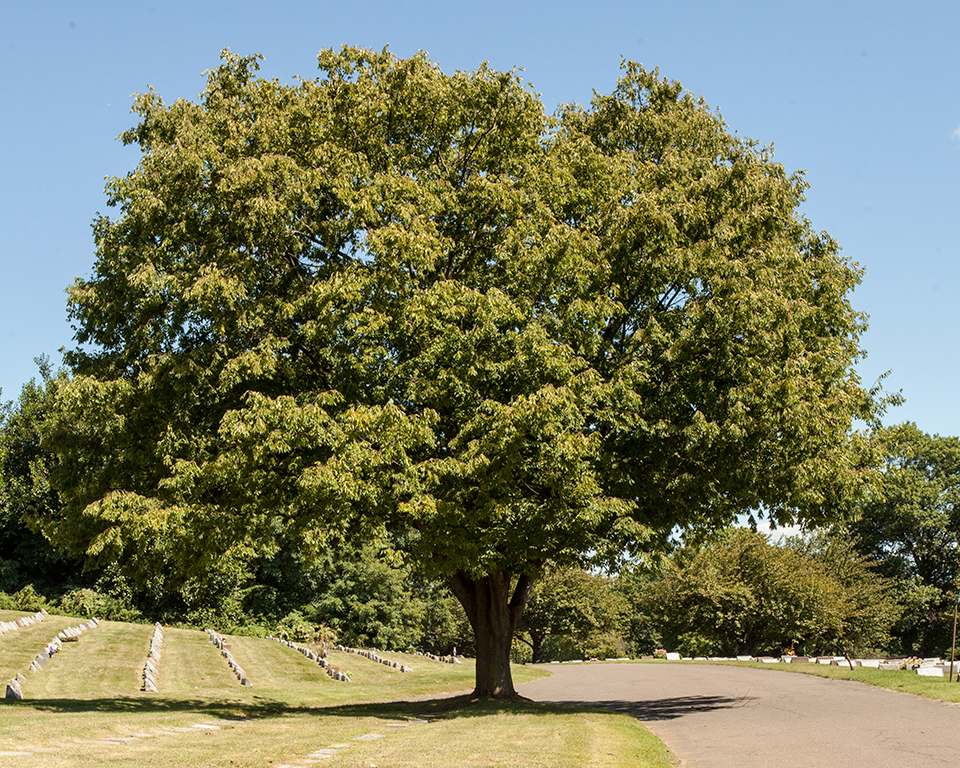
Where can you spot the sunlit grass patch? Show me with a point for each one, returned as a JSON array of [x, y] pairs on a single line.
[[85, 709]]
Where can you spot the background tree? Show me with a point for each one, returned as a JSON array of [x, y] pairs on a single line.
[[740, 594], [573, 614], [910, 525], [26, 495], [393, 304]]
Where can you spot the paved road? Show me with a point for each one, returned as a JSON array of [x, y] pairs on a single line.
[[734, 717]]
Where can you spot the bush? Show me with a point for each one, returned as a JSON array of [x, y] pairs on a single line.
[[298, 628], [28, 599], [86, 603]]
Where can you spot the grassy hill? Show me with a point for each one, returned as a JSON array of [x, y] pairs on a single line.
[[85, 707]]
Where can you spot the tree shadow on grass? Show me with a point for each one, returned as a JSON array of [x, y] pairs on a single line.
[[225, 709], [439, 708]]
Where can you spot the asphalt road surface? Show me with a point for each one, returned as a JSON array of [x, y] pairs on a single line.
[[734, 717]]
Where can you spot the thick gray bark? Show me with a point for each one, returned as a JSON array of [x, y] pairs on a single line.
[[493, 613]]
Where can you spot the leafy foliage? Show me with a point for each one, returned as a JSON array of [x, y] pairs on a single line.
[[740, 594], [910, 525], [390, 304], [26, 493], [573, 614]]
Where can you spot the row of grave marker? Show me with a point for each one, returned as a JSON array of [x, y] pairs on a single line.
[[153, 659], [374, 656], [14, 687], [332, 671], [23, 621], [217, 639], [929, 667]]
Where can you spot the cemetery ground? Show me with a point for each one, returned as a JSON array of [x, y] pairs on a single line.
[[904, 681], [85, 707]]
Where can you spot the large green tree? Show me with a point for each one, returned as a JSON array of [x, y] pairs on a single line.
[[394, 303], [910, 524], [742, 594]]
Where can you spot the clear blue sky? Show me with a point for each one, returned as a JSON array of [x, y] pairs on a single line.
[[865, 96]]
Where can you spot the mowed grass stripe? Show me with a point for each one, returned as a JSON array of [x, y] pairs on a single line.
[[105, 661], [190, 665], [270, 664]]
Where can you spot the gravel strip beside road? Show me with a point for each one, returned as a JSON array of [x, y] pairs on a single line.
[[734, 717]]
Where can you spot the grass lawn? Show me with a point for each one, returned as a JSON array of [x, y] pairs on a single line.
[[904, 681], [85, 709]]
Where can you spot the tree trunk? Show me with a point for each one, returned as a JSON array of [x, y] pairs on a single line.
[[537, 645], [494, 614]]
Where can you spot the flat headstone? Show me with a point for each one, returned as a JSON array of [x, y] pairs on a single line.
[[368, 737], [930, 671]]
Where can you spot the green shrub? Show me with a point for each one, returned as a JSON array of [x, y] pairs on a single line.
[[85, 603], [28, 599]]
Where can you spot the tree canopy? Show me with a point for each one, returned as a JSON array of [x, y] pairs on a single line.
[[394, 303], [742, 594], [910, 524]]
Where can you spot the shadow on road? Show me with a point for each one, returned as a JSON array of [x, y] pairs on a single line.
[[663, 709]]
